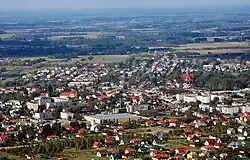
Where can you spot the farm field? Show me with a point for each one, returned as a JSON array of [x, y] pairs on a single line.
[[214, 45], [96, 59], [4, 36], [216, 48]]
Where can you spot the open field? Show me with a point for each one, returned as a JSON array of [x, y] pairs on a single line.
[[3, 36], [153, 129], [80, 34], [213, 45], [96, 59], [219, 51], [217, 48]]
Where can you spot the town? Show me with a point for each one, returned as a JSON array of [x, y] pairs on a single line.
[[125, 84], [148, 107]]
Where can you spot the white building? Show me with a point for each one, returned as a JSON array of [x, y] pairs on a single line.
[[61, 102], [204, 98], [190, 98], [66, 115], [14, 103], [32, 106], [44, 115], [245, 108], [208, 67], [221, 97], [42, 100], [117, 118], [230, 110], [204, 106], [179, 97]]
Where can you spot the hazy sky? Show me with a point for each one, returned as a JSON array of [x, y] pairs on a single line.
[[80, 4]]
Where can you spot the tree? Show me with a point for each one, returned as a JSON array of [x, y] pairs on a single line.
[[90, 58]]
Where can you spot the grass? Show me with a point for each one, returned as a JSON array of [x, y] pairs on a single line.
[[153, 129], [204, 48], [105, 58], [12, 157], [96, 59], [181, 143]]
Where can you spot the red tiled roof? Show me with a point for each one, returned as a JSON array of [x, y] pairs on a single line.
[[174, 121], [53, 137], [70, 128], [134, 97], [209, 147], [182, 150], [136, 140], [161, 156], [97, 144]]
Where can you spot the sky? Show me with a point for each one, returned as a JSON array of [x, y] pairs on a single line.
[[96, 4]]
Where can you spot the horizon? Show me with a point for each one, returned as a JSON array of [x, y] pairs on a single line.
[[80, 5]]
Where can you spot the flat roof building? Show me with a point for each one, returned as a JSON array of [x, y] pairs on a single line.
[[117, 118]]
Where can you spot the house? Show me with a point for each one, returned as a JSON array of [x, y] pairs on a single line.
[[71, 94], [130, 152], [45, 115], [219, 145], [160, 156], [136, 140], [150, 122], [210, 142], [143, 149], [181, 151], [102, 153], [97, 145], [198, 134], [61, 102], [241, 129], [66, 115], [109, 140], [246, 132], [81, 132], [230, 131], [191, 137], [174, 123], [155, 152], [44, 95], [235, 144], [207, 148], [52, 137]]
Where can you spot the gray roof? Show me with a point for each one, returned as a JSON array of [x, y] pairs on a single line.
[[115, 116]]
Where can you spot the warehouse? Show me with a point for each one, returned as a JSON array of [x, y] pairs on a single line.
[[118, 118]]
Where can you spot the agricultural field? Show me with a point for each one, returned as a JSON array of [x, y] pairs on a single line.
[[4, 36], [216, 48]]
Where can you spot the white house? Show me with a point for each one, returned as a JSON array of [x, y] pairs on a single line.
[[230, 131], [230, 110], [66, 115], [190, 98], [44, 115], [204, 98]]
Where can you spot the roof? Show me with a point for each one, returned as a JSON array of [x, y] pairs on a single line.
[[114, 116]]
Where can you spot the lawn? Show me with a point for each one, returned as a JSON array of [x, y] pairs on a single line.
[[152, 129], [180, 143]]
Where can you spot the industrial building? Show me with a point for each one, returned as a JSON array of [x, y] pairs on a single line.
[[118, 118]]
